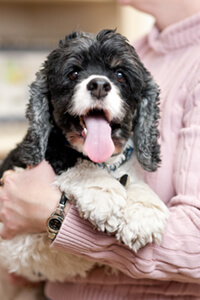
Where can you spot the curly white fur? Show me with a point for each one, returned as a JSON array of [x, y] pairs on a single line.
[[135, 214]]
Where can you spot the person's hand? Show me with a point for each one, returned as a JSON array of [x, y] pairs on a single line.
[[27, 199], [20, 281]]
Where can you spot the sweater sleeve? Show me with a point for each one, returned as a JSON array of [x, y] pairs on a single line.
[[178, 256]]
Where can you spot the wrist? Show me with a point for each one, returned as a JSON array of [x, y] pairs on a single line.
[[54, 222], [67, 208]]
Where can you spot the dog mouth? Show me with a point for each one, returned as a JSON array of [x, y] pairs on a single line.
[[96, 133]]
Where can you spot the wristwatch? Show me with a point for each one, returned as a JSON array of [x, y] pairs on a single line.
[[54, 222]]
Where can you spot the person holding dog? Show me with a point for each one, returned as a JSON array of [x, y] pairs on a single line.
[[170, 270]]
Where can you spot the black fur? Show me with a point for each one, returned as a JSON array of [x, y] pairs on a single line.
[[49, 107]]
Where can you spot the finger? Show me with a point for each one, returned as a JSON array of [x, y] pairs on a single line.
[[1, 229], [1, 181], [5, 174], [5, 234], [20, 281]]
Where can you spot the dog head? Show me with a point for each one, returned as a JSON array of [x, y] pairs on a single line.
[[97, 91]]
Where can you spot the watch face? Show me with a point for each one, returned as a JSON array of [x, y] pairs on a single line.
[[55, 224]]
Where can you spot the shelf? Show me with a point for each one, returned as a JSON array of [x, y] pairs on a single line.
[[35, 24]]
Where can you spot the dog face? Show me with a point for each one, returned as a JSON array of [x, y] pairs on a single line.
[[95, 78], [99, 92]]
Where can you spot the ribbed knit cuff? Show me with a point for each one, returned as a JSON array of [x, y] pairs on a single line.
[[78, 235]]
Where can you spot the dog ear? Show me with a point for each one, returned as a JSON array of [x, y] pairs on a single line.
[[33, 147], [145, 126]]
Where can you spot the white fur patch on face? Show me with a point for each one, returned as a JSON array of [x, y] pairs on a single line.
[[83, 102]]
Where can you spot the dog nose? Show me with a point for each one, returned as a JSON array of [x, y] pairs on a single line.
[[99, 87]]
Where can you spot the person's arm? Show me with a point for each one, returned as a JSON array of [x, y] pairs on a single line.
[[178, 256]]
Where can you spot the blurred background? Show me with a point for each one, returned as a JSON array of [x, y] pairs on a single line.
[[29, 29]]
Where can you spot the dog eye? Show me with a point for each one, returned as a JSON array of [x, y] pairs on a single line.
[[73, 75], [120, 76]]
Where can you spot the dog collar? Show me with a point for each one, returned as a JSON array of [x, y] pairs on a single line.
[[123, 157]]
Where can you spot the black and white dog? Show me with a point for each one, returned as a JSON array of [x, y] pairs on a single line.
[[93, 114]]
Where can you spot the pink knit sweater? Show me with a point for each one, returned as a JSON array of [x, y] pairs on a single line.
[[170, 270]]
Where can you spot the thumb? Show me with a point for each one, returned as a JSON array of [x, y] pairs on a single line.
[[6, 234]]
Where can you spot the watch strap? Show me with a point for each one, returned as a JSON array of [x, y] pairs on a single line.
[[54, 222]]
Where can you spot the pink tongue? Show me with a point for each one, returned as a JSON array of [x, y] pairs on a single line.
[[98, 143]]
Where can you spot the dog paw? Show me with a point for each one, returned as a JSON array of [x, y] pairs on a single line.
[[145, 222], [98, 196], [103, 207]]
